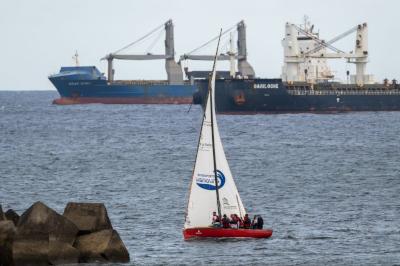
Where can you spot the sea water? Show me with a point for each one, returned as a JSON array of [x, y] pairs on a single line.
[[328, 185]]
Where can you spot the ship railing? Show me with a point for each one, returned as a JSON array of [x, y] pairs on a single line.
[[145, 82], [343, 92]]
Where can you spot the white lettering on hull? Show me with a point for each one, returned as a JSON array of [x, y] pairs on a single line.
[[266, 86]]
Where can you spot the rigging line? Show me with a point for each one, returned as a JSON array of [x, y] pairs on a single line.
[[337, 38], [140, 39], [190, 107], [151, 46], [317, 40], [226, 45], [213, 39], [240, 209]]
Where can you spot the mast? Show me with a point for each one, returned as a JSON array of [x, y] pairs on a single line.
[[209, 191], [76, 58], [212, 80]]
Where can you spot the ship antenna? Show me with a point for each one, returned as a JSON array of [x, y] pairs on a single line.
[[306, 21], [76, 58]]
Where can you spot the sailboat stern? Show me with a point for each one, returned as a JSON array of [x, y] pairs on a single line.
[[213, 232]]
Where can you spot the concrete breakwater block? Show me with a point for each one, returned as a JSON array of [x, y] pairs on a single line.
[[44, 237], [11, 215], [7, 233], [2, 216], [42, 222], [62, 253], [105, 245], [38, 229], [88, 217]]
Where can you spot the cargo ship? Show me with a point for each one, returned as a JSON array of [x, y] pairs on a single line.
[[307, 83], [86, 84]]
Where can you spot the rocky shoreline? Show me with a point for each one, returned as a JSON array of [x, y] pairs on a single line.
[[41, 236]]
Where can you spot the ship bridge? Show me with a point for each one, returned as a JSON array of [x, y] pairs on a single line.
[[306, 55]]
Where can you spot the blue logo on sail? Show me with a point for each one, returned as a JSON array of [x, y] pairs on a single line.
[[208, 181]]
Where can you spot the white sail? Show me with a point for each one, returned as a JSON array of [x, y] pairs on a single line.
[[202, 199]]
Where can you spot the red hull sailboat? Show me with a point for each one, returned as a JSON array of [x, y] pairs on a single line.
[[225, 232], [213, 188]]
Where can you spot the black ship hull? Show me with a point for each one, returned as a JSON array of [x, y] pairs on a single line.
[[274, 96]]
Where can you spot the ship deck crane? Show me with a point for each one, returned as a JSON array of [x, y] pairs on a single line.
[[332, 41], [245, 69], [174, 71]]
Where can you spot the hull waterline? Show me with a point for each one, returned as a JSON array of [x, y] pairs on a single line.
[[123, 100], [211, 232]]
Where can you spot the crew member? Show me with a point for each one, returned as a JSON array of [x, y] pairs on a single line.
[[260, 222], [216, 221], [233, 222], [225, 221], [254, 222], [239, 221], [246, 221]]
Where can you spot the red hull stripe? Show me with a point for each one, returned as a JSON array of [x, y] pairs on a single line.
[[221, 232], [123, 100]]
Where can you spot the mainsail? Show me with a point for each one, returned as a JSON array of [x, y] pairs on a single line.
[[203, 197]]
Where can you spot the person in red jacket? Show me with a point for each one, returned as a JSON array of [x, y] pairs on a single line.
[[246, 221], [239, 221], [234, 222], [225, 221]]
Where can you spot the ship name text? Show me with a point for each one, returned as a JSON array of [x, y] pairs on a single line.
[[266, 86], [78, 83]]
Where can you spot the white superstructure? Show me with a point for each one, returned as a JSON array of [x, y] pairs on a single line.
[[306, 55]]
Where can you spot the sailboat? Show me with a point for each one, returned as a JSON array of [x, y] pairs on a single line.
[[213, 188]]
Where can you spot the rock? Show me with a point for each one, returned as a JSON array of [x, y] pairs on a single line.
[[105, 245], [11, 215], [38, 229], [88, 217], [43, 252], [7, 233], [62, 253], [44, 237], [31, 251], [39, 221], [2, 216]]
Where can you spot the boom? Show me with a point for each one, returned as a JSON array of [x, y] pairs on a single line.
[[174, 71]]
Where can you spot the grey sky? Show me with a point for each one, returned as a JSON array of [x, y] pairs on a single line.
[[38, 37]]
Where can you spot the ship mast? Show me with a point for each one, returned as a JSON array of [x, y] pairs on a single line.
[[212, 79], [76, 58]]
